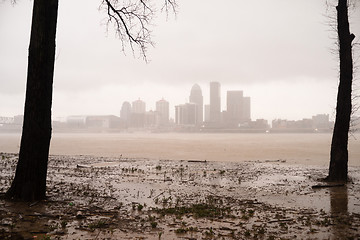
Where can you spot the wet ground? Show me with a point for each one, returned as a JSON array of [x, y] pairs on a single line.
[[120, 198]]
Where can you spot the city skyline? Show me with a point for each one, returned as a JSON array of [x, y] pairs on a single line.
[[268, 58]]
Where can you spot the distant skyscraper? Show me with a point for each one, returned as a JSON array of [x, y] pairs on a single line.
[[234, 107], [207, 112], [197, 98], [138, 111], [138, 106], [162, 107], [215, 102], [185, 114], [125, 111]]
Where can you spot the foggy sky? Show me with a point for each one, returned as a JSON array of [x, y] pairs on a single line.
[[278, 52]]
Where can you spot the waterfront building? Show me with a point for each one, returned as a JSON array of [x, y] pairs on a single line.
[[207, 113], [215, 102], [197, 98], [125, 112], [234, 108], [138, 106], [162, 107], [185, 114]]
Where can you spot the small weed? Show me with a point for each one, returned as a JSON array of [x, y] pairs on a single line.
[[97, 224], [46, 237], [53, 227], [154, 224], [210, 232], [251, 212], [185, 230], [140, 207], [63, 224]]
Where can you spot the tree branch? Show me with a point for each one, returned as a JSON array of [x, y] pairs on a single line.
[[132, 20]]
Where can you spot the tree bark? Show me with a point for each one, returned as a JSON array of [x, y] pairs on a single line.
[[338, 170], [29, 183]]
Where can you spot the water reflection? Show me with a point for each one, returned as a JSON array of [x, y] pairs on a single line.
[[339, 211]]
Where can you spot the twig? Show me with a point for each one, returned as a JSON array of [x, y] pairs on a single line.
[[159, 195]]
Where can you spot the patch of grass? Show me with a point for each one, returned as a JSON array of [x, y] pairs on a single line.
[[209, 232], [97, 224], [154, 224], [186, 230], [46, 237], [63, 224], [201, 210], [52, 227]]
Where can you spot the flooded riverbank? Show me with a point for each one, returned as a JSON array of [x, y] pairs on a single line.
[[126, 198]]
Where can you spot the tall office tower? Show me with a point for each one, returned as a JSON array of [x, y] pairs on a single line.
[[246, 114], [185, 114], [215, 102], [125, 111], [197, 98], [162, 107], [207, 113], [234, 107], [138, 106]]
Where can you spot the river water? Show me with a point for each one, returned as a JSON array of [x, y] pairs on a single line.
[[307, 148]]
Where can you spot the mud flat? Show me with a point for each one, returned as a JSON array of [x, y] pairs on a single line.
[[125, 198]]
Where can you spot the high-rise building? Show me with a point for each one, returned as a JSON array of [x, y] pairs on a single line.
[[234, 107], [215, 102], [321, 121], [162, 107], [185, 114], [207, 112], [197, 98], [138, 106], [138, 111], [125, 111]]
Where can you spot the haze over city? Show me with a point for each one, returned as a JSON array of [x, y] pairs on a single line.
[[278, 53]]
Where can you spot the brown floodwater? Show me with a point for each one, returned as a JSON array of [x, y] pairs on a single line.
[[309, 149]]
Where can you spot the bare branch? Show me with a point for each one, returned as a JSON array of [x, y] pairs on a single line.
[[132, 20], [170, 5]]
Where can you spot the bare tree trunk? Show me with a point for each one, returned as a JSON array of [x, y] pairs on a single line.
[[29, 183], [338, 170]]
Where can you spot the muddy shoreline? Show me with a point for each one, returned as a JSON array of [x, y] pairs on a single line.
[[132, 198]]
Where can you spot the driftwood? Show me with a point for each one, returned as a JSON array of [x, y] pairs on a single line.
[[197, 161], [82, 166], [327, 185]]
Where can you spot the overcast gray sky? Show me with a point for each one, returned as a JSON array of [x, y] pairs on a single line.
[[277, 51]]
